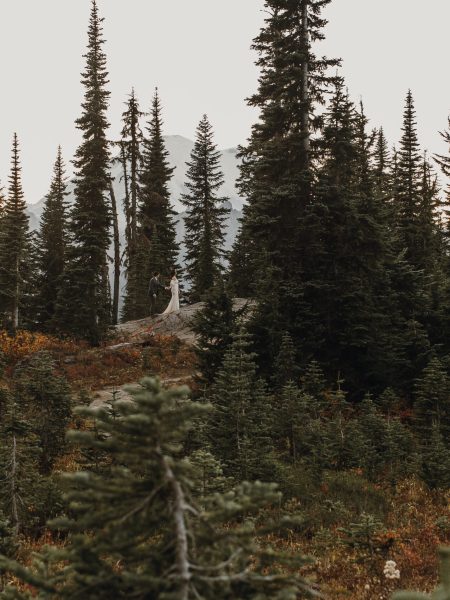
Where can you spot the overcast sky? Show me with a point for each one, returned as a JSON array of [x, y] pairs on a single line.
[[198, 53]]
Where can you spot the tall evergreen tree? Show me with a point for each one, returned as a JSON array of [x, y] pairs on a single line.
[[83, 305], [130, 158], [158, 249], [381, 158], [13, 243], [277, 159], [409, 183], [52, 245], [206, 213]]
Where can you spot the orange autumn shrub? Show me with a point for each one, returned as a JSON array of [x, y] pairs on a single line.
[[25, 343]]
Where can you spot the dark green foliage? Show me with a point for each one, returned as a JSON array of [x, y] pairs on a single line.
[[21, 485], [142, 516], [8, 545], [363, 535], [381, 165], [279, 226], [241, 422], [51, 246], [157, 250], [436, 459], [13, 244], [432, 400], [286, 368], [46, 401], [130, 158], [214, 327], [205, 214], [84, 304]]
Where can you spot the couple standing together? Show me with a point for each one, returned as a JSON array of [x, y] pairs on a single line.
[[154, 288]]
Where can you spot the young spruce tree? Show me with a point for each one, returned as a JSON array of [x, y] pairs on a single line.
[[143, 517]]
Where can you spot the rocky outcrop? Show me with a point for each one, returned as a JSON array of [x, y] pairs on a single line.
[[177, 324]]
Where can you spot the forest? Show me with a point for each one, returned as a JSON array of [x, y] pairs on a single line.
[[297, 445]]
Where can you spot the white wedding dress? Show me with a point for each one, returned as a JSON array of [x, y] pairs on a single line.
[[174, 304]]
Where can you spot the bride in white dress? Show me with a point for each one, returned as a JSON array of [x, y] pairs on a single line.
[[174, 304]]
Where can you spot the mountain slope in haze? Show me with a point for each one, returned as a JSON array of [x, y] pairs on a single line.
[[179, 149]]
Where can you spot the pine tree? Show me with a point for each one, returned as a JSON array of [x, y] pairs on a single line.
[[52, 244], [240, 425], [46, 401], [214, 327], [83, 305], [13, 243], [130, 158], [142, 516], [206, 214], [436, 459], [20, 480], [432, 400], [157, 247], [8, 545], [408, 182], [381, 158], [286, 368], [278, 223]]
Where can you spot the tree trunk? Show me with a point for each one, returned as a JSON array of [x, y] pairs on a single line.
[[116, 242]]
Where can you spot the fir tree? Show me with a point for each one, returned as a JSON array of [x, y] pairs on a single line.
[[432, 400], [20, 480], [381, 157], [214, 327], [13, 243], [83, 305], [240, 424], [286, 368], [46, 401], [278, 224], [408, 182], [157, 247], [52, 244], [130, 158], [436, 459], [142, 516], [206, 214]]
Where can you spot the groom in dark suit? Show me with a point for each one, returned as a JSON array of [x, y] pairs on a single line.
[[153, 288]]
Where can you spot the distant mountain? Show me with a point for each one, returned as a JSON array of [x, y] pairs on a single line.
[[179, 149]]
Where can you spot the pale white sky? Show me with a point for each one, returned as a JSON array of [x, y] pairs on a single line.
[[197, 52]]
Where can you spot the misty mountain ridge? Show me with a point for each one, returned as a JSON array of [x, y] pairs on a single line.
[[179, 149]]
